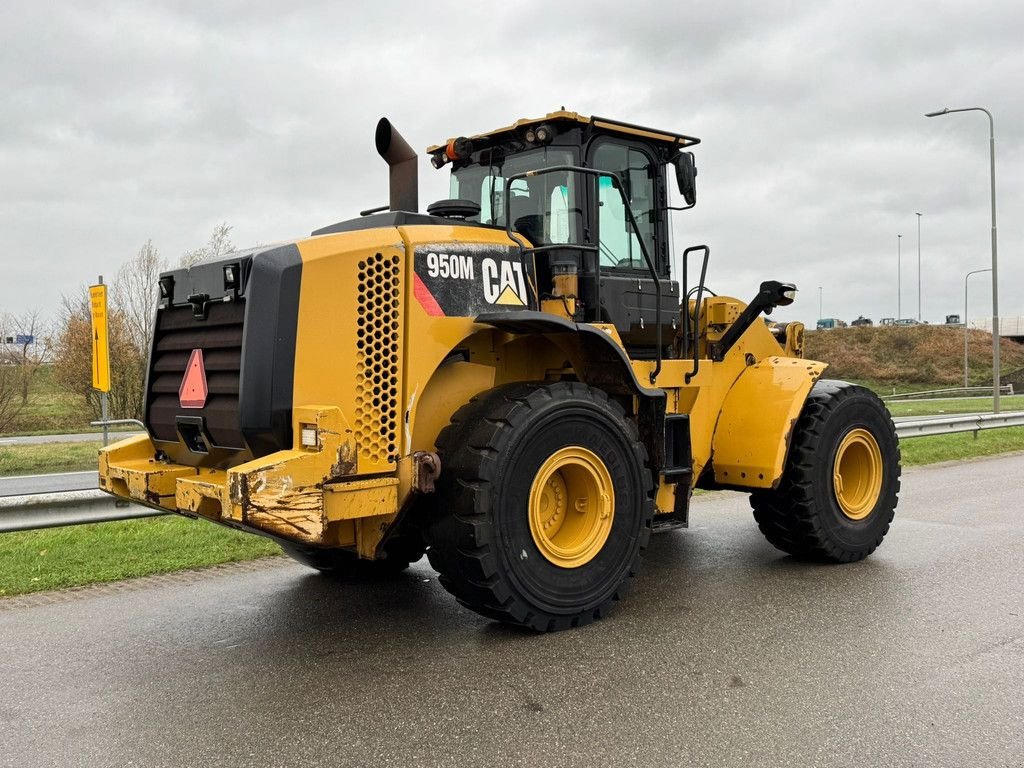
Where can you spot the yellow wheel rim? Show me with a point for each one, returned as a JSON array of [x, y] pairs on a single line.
[[857, 474], [572, 505]]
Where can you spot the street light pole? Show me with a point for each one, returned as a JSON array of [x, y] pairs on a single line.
[[819, 303], [899, 289], [972, 272], [995, 269], [919, 267]]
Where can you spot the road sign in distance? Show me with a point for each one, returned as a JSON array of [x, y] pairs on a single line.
[[100, 345]]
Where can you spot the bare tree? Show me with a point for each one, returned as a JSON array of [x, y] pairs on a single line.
[[219, 245], [130, 315], [72, 359], [134, 293], [10, 400], [32, 347], [20, 362]]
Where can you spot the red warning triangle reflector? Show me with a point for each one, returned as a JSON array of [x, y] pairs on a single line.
[[193, 391]]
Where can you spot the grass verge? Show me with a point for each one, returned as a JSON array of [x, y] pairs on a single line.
[[46, 458], [929, 450], [55, 558], [52, 409]]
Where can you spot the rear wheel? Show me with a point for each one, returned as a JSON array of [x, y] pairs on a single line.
[[839, 490], [543, 506]]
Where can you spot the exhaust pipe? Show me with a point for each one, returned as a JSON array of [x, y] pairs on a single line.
[[401, 160]]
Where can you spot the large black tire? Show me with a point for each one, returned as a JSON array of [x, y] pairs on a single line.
[[343, 564], [804, 515], [480, 532]]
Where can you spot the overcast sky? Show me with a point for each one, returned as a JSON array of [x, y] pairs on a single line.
[[123, 122]]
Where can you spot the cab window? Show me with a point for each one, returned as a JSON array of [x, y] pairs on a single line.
[[617, 240], [543, 208]]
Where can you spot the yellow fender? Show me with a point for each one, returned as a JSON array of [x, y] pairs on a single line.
[[757, 418]]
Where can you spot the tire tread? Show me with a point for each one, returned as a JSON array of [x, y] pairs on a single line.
[[461, 542], [789, 516]]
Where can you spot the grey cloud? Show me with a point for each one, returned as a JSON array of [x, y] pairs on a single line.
[[123, 122]]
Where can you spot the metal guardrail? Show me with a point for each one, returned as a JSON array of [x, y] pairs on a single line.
[[116, 422], [924, 426], [52, 510], [1008, 326], [951, 392], [108, 423]]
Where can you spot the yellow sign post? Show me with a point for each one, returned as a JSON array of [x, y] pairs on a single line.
[[100, 348], [100, 344]]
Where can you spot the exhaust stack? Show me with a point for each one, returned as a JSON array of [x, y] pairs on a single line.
[[401, 160]]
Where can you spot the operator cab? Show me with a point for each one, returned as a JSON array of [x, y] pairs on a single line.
[[587, 199]]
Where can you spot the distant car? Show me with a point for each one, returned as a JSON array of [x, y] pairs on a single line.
[[908, 321], [887, 321], [828, 323], [861, 321], [953, 320]]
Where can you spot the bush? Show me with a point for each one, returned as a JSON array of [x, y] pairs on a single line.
[[918, 355]]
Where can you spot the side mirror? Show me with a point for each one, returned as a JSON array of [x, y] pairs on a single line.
[[686, 176]]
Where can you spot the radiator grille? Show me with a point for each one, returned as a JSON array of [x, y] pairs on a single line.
[[220, 338], [377, 356]]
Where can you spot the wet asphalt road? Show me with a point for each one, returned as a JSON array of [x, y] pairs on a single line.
[[725, 654], [22, 485]]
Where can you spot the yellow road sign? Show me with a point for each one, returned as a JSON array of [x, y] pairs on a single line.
[[100, 345]]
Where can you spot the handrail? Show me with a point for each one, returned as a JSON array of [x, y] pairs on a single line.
[[617, 183], [696, 308]]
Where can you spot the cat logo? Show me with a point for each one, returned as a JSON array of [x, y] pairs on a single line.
[[504, 285]]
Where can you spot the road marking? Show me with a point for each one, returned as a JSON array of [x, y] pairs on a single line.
[[55, 474]]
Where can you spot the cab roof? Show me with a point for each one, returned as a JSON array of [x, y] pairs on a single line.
[[605, 124]]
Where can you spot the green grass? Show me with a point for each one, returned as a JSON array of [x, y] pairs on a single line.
[[964, 405], [47, 458], [929, 450], [51, 410], [56, 558]]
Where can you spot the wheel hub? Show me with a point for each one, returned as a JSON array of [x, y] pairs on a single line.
[[857, 474], [571, 507]]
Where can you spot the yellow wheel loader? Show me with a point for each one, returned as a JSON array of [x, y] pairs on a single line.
[[516, 382]]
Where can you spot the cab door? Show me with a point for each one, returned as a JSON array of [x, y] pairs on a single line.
[[626, 292]]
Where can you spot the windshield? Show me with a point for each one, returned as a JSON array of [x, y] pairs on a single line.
[[546, 208]]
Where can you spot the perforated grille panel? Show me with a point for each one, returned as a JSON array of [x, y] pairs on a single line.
[[219, 336], [377, 358]]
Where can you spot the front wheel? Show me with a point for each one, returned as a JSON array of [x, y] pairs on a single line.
[[543, 507], [838, 492]]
